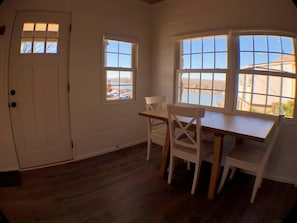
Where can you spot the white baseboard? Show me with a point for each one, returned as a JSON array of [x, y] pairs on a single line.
[[108, 150]]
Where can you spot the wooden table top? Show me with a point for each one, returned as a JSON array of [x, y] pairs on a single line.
[[226, 124]]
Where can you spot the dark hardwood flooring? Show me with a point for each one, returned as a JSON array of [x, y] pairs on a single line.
[[123, 187]]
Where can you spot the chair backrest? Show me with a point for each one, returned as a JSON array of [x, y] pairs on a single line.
[[185, 125], [272, 140], [154, 102]]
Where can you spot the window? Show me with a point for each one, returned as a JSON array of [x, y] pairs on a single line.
[[40, 38], [119, 69], [267, 74], [202, 71], [257, 76]]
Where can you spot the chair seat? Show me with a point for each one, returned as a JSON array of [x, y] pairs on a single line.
[[246, 154], [158, 135], [187, 153]]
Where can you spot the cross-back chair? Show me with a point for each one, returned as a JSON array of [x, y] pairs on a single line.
[[156, 129], [251, 156], [185, 138]]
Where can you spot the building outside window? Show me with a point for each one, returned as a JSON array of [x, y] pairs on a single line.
[[119, 69], [261, 70], [267, 75]]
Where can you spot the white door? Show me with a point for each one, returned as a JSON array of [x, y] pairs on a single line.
[[38, 88]]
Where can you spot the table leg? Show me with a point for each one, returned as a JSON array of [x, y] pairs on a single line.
[[216, 165], [165, 154]]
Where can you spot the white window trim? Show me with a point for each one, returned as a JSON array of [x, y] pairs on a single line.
[[233, 68], [134, 68]]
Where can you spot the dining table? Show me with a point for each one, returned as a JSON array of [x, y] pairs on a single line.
[[218, 124]]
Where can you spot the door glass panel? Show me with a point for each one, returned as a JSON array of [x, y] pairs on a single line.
[[39, 38]]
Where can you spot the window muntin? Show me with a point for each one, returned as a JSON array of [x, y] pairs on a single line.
[[267, 75], [119, 67], [39, 38], [201, 78]]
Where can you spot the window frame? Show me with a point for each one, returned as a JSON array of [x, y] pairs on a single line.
[[133, 69], [233, 67]]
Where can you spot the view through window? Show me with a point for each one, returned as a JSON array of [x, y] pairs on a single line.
[[119, 69], [267, 75], [202, 73], [264, 73]]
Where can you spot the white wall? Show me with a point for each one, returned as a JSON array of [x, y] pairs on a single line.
[[173, 18], [96, 128]]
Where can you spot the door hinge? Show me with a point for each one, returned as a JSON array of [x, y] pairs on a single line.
[[71, 144], [70, 27]]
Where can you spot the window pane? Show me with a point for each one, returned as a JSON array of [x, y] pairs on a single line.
[[208, 60], [258, 103], [194, 81], [206, 81], [125, 48], [219, 82], [274, 85], [244, 101], [26, 46], [126, 84], [208, 44], [221, 44], [260, 84], [112, 87], [221, 60], [111, 60], [274, 44], [185, 47], [287, 107], [186, 62], [38, 46], [52, 46], [197, 45], [28, 29], [288, 87], [53, 30], [125, 61], [196, 61], [260, 43], [218, 99], [246, 43], [273, 105], [287, 45], [40, 29], [112, 46], [206, 97], [261, 61], [246, 60]]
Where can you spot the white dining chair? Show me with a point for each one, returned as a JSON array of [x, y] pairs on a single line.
[[251, 156], [156, 129], [185, 138]]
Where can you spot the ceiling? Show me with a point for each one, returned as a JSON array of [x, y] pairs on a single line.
[[152, 1]]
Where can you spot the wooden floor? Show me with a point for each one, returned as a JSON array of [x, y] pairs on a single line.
[[124, 187]]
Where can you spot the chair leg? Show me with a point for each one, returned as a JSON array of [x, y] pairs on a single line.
[[149, 145], [224, 176], [258, 180], [233, 170], [196, 177], [171, 168], [188, 165]]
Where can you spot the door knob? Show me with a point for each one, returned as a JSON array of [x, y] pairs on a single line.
[[13, 104], [12, 92]]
